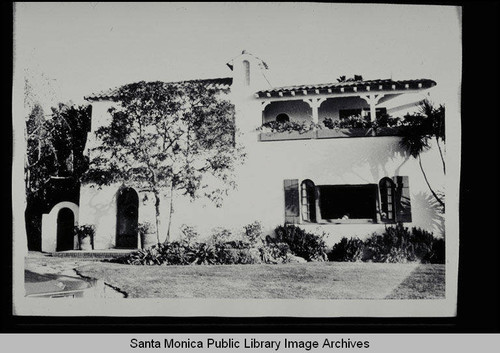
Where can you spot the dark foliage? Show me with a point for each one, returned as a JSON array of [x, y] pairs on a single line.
[[54, 162], [184, 253], [287, 126], [253, 232], [348, 250], [396, 244], [306, 245], [357, 121]]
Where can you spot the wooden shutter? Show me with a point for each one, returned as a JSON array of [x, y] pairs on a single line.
[[292, 208], [402, 200]]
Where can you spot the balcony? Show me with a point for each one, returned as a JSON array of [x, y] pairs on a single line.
[[274, 131]]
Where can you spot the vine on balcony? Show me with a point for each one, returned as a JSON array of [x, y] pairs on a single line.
[[287, 126], [351, 122], [357, 121]]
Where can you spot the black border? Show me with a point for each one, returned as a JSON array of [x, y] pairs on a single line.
[[478, 294]]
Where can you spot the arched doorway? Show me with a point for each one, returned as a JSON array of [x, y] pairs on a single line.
[[65, 232], [127, 219]]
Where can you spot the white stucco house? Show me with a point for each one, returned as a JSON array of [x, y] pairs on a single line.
[[339, 182]]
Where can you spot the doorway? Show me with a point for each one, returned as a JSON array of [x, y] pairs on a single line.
[[127, 219], [65, 230]]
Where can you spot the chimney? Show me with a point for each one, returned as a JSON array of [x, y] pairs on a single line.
[[249, 73]]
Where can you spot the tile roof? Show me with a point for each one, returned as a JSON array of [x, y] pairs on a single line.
[[349, 86], [113, 93]]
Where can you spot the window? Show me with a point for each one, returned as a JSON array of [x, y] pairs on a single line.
[[282, 118], [348, 202], [246, 68], [387, 192], [308, 201], [387, 201]]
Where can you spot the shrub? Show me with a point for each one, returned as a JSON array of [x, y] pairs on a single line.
[[395, 244], [150, 256], [229, 255], [189, 233], [179, 253], [184, 253], [253, 232], [307, 245], [275, 252], [437, 256], [175, 253], [348, 250], [220, 235], [204, 254], [237, 244]]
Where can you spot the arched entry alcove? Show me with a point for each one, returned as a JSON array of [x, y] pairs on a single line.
[[65, 230], [58, 227], [127, 215]]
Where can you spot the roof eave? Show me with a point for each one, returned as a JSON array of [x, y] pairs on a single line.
[[363, 87]]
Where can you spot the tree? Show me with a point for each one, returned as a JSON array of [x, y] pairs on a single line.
[[168, 137], [343, 78], [55, 145], [427, 124]]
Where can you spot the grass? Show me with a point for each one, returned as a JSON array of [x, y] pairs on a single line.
[[328, 280], [425, 282]]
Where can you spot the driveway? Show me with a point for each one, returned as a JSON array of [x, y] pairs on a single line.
[[49, 277]]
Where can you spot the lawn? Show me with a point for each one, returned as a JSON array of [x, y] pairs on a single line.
[[425, 282], [327, 280]]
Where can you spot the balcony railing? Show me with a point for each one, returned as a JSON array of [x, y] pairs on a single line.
[[330, 133]]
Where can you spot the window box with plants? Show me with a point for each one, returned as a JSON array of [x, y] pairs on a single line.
[[353, 126], [357, 126], [287, 130]]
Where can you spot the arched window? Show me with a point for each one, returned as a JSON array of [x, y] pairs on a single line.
[[246, 69], [308, 200], [282, 118], [387, 193]]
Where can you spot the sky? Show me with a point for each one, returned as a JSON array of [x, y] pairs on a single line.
[[69, 50]]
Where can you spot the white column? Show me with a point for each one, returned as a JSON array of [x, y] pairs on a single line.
[[372, 100], [314, 103]]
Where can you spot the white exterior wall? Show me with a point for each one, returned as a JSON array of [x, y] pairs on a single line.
[[49, 226], [98, 206], [260, 194]]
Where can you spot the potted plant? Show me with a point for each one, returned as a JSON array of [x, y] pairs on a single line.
[[85, 235], [144, 230]]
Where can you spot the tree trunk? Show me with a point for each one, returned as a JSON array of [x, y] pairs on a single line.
[[429, 185], [170, 213], [441, 154], [157, 208]]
